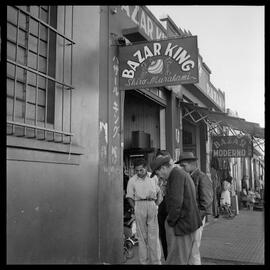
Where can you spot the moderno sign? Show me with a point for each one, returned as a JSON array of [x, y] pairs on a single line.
[[232, 146], [159, 63]]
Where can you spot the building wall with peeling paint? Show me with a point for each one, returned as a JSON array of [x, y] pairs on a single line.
[[52, 189]]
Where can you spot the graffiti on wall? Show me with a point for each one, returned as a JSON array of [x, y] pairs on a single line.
[[115, 114]]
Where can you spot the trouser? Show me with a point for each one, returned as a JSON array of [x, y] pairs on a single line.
[[162, 214], [195, 254], [147, 232], [181, 248]]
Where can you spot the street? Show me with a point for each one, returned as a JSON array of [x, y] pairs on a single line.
[[237, 241]]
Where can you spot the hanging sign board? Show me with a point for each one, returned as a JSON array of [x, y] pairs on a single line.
[[232, 146], [159, 63]]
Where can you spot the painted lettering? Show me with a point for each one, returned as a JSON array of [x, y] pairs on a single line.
[[157, 48], [143, 22], [134, 14], [133, 64], [159, 34], [147, 52], [182, 57], [243, 142], [169, 50], [139, 55], [128, 73], [217, 144], [186, 66], [149, 28]]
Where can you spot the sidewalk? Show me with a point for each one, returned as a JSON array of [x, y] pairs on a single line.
[[230, 241], [239, 240]]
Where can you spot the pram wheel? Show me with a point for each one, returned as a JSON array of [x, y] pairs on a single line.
[[129, 247]]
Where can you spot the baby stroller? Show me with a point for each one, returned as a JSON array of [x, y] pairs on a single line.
[[130, 239]]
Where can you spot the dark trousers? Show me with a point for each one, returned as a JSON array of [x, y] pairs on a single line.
[[162, 214]]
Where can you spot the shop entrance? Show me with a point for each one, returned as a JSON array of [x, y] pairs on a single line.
[[142, 128], [189, 137]]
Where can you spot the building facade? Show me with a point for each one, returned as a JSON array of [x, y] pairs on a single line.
[[72, 133]]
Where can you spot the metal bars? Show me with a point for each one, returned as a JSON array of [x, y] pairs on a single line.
[[38, 98], [213, 125]]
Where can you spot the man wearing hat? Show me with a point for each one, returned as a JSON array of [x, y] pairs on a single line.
[[183, 219], [144, 195], [204, 192]]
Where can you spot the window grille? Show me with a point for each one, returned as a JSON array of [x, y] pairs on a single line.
[[39, 72]]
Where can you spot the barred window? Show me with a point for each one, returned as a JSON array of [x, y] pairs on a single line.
[[39, 72]]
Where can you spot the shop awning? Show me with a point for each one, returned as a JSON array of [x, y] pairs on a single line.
[[220, 119]]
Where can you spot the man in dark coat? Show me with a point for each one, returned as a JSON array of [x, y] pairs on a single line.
[[204, 191], [183, 221]]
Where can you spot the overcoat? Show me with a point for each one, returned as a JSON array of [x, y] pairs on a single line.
[[183, 212], [204, 192]]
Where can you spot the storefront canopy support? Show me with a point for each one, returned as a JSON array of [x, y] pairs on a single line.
[[237, 126]]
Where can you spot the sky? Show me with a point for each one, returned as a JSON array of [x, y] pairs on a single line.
[[231, 43]]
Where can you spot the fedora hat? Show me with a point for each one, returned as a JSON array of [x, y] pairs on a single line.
[[186, 156], [158, 162]]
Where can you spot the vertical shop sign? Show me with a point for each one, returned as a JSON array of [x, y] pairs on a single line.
[[115, 112], [232, 146], [159, 63]]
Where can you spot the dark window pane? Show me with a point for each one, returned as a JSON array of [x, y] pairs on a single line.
[[21, 57], [32, 60], [31, 94], [21, 73], [41, 113], [33, 43], [10, 70], [43, 32], [10, 104], [11, 51], [23, 20], [41, 82], [11, 32], [20, 91], [33, 27], [30, 111], [42, 64], [43, 48], [44, 15], [41, 97], [19, 109], [34, 10], [12, 14], [22, 38], [31, 78], [10, 87]]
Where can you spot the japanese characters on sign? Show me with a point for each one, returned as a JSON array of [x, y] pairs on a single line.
[[159, 63], [232, 146]]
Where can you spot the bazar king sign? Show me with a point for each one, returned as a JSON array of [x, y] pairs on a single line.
[[232, 146], [159, 63]]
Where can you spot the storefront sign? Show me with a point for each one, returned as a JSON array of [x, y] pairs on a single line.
[[232, 146], [159, 63], [142, 17]]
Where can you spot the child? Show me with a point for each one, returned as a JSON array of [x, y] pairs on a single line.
[[225, 198]]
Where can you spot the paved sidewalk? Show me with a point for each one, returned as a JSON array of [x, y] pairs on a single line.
[[239, 240], [230, 241]]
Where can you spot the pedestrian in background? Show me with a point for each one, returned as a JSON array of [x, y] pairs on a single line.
[[204, 193], [162, 211], [144, 195], [183, 219]]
